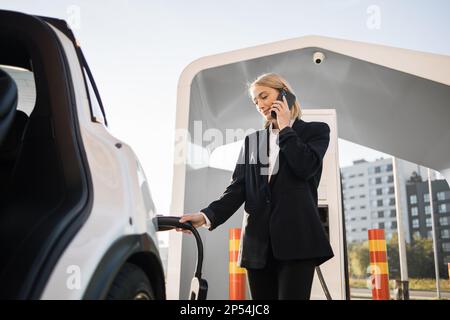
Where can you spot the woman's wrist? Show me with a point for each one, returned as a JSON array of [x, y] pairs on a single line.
[[206, 221]]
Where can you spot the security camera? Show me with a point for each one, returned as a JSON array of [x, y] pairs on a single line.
[[318, 57]]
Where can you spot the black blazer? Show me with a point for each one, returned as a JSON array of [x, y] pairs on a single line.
[[282, 213]]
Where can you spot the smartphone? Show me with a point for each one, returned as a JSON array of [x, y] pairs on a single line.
[[290, 98]]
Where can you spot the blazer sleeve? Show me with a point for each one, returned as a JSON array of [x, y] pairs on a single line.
[[305, 157], [222, 209]]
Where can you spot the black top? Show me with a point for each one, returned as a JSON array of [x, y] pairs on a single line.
[[283, 212]]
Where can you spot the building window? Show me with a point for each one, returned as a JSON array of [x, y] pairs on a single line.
[[380, 225], [429, 223], [430, 234], [443, 221], [391, 190], [389, 167], [426, 197], [379, 192], [443, 195], [362, 207], [445, 234], [377, 180], [413, 199], [391, 179], [416, 235], [393, 213], [427, 209], [392, 201], [380, 214], [414, 211], [361, 174], [393, 224], [446, 246], [361, 186], [415, 223], [442, 208], [364, 229], [377, 169], [352, 176], [362, 196], [379, 203], [363, 218]]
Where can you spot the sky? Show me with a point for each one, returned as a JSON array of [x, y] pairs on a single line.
[[138, 49]]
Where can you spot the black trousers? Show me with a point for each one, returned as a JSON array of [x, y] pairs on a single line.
[[282, 279]]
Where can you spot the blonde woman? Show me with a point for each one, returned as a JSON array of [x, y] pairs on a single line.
[[277, 176]]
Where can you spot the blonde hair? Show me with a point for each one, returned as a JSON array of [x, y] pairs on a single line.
[[275, 81]]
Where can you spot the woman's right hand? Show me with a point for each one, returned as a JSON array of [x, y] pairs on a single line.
[[197, 220]]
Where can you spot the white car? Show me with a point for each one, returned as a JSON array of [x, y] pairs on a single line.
[[77, 219]]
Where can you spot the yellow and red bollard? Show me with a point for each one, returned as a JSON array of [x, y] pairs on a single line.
[[378, 265], [237, 276]]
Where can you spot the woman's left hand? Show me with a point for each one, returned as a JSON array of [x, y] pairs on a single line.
[[283, 113]]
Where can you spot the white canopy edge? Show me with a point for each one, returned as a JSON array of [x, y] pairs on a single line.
[[430, 66]]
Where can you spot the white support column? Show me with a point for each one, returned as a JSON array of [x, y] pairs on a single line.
[[401, 234], [433, 227]]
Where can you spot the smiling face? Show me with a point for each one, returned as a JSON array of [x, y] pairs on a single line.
[[263, 98]]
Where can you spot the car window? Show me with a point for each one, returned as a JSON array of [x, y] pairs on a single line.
[[25, 86]]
